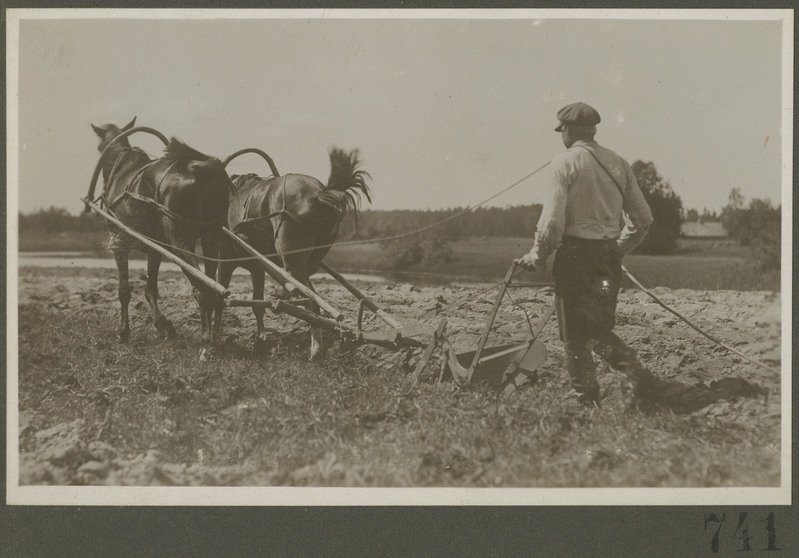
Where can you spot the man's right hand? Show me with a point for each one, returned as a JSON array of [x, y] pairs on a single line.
[[526, 262]]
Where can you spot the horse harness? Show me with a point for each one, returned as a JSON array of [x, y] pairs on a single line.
[[279, 215], [137, 178]]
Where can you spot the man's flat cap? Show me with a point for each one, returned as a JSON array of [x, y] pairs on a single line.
[[579, 114]]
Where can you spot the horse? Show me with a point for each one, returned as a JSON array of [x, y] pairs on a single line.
[[173, 200], [292, 219]]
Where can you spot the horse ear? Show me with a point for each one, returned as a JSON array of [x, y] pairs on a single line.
[[97, 130], [130, 124]]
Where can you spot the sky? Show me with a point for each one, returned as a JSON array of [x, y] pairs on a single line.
[[445, 111]]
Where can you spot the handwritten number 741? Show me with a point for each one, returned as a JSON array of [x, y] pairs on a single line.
[[714, 523]]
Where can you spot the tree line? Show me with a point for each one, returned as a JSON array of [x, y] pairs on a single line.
[[518, 221], [457, 223], [55, 220], [756, 225]]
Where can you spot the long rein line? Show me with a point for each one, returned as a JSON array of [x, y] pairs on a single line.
[[364, 241]]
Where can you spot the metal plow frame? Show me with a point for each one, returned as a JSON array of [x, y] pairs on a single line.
[[396, 337]]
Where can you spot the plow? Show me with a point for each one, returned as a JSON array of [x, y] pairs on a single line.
[[504, 367]]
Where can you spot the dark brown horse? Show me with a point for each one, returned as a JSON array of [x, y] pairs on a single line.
[[174, 200], [285, 217]]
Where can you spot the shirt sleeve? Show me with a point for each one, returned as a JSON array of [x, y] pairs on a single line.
[[552, 221], [637, 215]]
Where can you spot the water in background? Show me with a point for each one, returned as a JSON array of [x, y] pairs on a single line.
[[82, 260]]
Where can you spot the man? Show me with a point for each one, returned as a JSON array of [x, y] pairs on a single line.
[[593, 215]]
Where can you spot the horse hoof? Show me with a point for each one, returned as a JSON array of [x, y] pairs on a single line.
[[259, 342], [165, 328], [317, 353], [207, 354], [123, 337]]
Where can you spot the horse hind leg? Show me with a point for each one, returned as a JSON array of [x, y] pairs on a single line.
[[211, 251], [120, 246], [258, 277], [164, 327], [202, 295], [299, 270]]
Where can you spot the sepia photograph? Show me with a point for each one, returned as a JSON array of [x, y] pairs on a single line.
[[399, 257]]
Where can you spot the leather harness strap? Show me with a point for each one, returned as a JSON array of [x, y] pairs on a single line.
[[283, 212], [137, 179]]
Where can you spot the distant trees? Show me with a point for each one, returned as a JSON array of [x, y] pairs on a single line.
[[757, 226], [518, 221], [57, 220], [693, 216], [666, 209]]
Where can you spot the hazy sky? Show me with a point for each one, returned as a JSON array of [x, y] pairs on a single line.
[[444, 111]]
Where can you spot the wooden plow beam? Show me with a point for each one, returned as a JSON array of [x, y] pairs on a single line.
[[166, 254], [393, 339], [283, 278], [397, 337]]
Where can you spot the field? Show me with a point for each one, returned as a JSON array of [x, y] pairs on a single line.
[[724, 265], [92, 411], [697, 264]]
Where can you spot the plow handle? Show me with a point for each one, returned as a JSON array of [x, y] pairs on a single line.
[[493, 315]]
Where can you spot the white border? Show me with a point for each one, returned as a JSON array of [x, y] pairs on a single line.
[[294, 496]]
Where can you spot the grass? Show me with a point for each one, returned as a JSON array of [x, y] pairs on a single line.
[[258, 416], [713, 265]]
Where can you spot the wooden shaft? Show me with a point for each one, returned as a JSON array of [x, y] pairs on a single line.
[[235, 302], [360, 296], [166, 254], [268, 266], [492, 316], [544, 319], [507, 351], [284, 279], [390, 339], [283, 307]]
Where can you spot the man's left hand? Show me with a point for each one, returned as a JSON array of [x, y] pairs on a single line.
[[526, 262]]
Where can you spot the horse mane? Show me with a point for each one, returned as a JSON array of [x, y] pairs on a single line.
[[347, 182], [176, 150]]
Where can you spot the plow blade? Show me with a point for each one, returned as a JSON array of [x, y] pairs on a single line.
[[496, 365]]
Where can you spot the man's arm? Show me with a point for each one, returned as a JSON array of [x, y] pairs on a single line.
[[637, 216], [551, 223]]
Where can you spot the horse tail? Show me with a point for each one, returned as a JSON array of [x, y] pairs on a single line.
[[347, 181]]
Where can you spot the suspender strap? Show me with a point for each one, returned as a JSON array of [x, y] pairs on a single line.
[[621, 190]]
